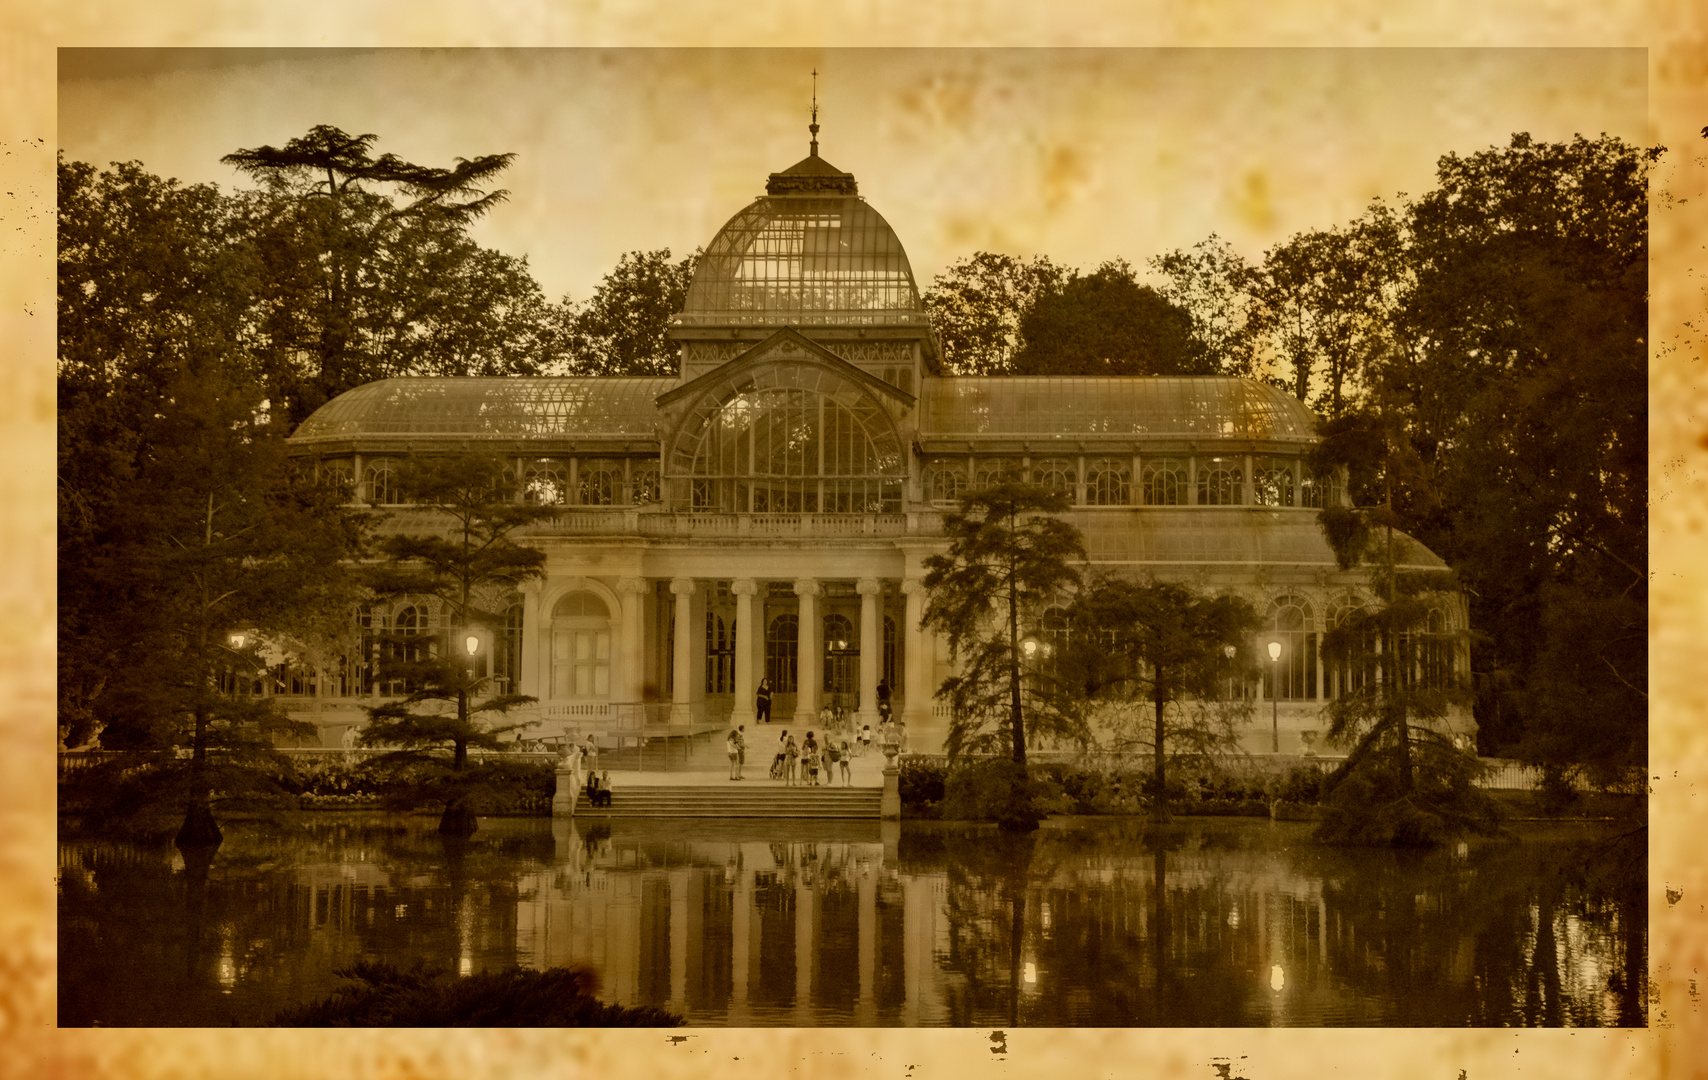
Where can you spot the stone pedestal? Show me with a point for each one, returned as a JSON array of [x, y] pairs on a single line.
[[563, 797], [889, 807]]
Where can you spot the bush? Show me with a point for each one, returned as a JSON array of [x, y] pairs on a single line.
[[388, 997], [994, 790], [921, 787]]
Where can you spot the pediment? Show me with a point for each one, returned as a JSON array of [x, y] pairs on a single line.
[[784, 346]]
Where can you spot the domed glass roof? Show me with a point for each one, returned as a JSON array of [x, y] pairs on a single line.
[[818, 257], [489, 408], [1065, 407]]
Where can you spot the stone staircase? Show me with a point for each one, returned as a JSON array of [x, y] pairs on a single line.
[[736, 799]]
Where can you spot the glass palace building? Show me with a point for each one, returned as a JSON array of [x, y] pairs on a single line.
[[766, 514]]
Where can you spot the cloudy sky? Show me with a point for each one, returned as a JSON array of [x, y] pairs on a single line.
[[1081, 155]]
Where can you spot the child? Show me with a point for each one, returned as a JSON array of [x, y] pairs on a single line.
[[790, 753], [865, 739], [832, 758], [809, 758], [847, 774], [782, 754]]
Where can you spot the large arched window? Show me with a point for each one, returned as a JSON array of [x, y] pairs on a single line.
[[1221, 481], [643, 483], [841, 655], [507, 651], [407, 643], [1164, 482], [581, 647], [791, 439], [1350, 658], [1294, 676], [1107, 482], [545, 483], [720, 654], [601, 482], [945, 481], [997, 470], [782, 642]]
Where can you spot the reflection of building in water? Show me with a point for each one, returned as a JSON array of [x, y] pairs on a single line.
[[766, 513]]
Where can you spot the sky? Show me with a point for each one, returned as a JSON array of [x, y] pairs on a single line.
[[1082, 155]]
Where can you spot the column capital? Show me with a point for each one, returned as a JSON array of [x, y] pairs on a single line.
[[533, 587], [913, 585], [631, 585], [682, 586], [743, 586], [808, 587], [869, 586]]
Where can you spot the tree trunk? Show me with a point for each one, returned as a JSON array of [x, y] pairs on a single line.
[[1159, 808], [460, 755], [1014, 681]]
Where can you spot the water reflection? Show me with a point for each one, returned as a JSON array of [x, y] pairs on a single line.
[[1089, 922]]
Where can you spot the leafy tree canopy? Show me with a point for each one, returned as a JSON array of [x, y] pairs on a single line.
[[621, 329]]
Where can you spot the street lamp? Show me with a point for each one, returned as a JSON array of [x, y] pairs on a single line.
[[472, 644], [1228, 651], [1275, 699]]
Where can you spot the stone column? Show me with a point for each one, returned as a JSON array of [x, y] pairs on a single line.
[[916, 707], [632, 684], [528, 679], [871, 649], [745, 627], [683, 686], [808, 654]]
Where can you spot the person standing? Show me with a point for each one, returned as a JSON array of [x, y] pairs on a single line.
[[740, 750], [791, 753], [883, 698], [762, 702], [782, 750], [732, 748], [590, 751], [847, 773]]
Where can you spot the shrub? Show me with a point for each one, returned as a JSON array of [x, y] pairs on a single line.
[[921, 787], [994, 790], [388, 997]]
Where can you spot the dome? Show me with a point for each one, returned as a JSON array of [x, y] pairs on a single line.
[[809, 252]]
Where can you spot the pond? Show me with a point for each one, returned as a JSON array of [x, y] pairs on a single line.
[[1089, 921]]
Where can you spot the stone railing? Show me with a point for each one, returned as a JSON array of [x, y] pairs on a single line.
[[630, 522]]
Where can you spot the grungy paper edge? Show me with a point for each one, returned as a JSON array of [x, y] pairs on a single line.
[[1676, 1044]]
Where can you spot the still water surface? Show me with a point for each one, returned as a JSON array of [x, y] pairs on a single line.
[[1090, 921]]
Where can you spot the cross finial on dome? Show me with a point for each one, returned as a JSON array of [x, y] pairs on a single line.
[[813, 127]]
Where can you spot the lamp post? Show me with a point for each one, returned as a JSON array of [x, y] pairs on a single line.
[[1275, 698], [1228, 651]]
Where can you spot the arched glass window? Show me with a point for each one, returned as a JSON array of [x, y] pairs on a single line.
[[720, 654], [507, 652], [339, 475], [581, 647], [1221, 481], [545, 483], [1294, 676], [841, 656], [1316, 491], [791, 439], [1437, 661], [1060, 475], [406, 643], [1165, 482], [382, 483], [782, 642], [600, 482], [1350, 664], [989, 472], [1108, 482], [945, 481], [1272, 481], [643, 483]]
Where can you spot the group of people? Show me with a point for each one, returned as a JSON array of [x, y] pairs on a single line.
[[831, 716], [804, 762]]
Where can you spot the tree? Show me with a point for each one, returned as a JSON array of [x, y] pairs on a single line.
[[1404, 781], [1217, 289], [621, 329], [1008, 558], [335, 251], [977, 306], [467, 559], [1106, 323], [1160, 643]]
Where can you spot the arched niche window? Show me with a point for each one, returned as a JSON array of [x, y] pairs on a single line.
[[600, 482], [1349, 653], [720, 654], [1294, 676], [1164, 482], [382, 483], [988, 472], [643, 483], [1060, 475], [581, 647], [782, 643], [841, 655], [1272, 481], [945, 481], [1108, 482], [790, 439], [1221, 481], [545, 482]]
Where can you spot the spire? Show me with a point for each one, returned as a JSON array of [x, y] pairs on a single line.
[[813, 127]]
